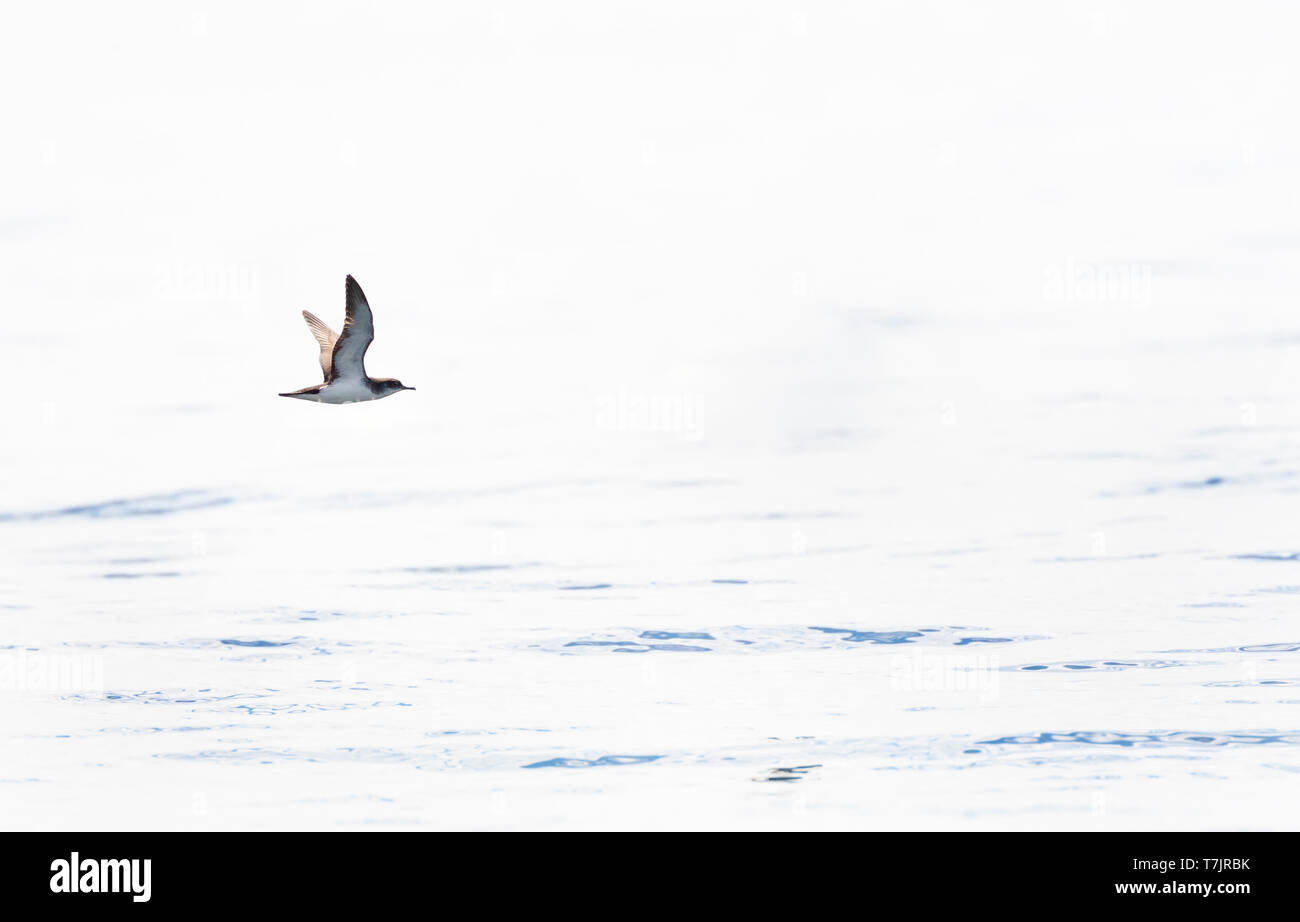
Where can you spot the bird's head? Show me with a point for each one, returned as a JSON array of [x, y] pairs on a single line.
[[392, 386]]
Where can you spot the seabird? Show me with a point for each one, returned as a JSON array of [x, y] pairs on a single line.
[[343, 356]]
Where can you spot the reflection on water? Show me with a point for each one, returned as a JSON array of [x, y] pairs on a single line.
[[786, 774]]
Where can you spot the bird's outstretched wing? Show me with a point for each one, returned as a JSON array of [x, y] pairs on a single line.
[[326, 337], [349, 357]]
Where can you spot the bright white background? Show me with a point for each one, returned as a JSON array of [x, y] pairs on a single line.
[[974, 318]]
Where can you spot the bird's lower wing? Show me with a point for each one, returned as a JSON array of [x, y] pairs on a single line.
[[326, 337]]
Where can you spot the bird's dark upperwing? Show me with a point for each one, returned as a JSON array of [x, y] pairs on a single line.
[[349, 359]]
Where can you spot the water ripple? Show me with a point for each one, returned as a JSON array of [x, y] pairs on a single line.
[[1283, 647], [270, 756], [592, 763], [853, 636], [632, 646], [467, 568], [154, 504], [163, 574], [739, 638], [1127, 740], [1107, 665]]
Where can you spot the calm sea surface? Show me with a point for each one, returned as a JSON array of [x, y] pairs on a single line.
[[1025, 596]]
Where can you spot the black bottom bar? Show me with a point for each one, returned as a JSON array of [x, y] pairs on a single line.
[[1223, 872]]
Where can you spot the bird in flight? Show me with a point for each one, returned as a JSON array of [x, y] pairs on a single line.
[[343, 356]]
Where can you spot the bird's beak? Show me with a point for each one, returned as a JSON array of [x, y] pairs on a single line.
[[405, 388]]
